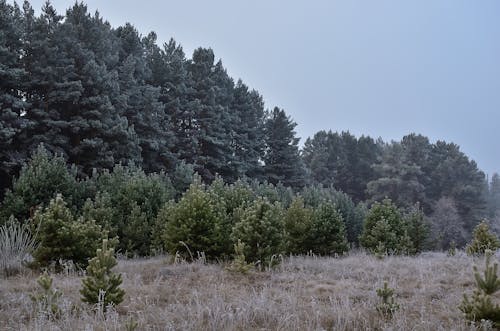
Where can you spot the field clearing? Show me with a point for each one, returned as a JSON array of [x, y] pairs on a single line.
[[303, 293]]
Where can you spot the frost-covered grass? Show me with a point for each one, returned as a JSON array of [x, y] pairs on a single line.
[[303, 293], [16, 245]]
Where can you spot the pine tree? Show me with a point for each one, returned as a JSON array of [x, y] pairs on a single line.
[[141, 102], [388, 306], [40, 180], [481, 306], [328, 231], [62, 237], [102, 285], [47, 299], [12, 104], [482, 240], [298, 224], [248, 136], [418, 228], [260, 228], [384, 225], [282, 162], [213, 97], [198, 220]]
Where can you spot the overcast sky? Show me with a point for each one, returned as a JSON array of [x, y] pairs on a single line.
[[379, 68]]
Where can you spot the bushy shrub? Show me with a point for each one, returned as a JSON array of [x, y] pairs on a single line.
[[298, 225], [44, 176], [62, 237], [130, 200], [385, 227], [260, 228], [352, 214], [328, 230], [198, 221], [483, 239]]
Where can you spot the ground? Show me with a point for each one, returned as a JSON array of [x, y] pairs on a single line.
[[303, 293]]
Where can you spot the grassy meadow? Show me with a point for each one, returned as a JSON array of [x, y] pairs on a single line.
[[302, 293]]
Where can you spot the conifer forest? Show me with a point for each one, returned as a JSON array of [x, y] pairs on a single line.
[[143, 188]]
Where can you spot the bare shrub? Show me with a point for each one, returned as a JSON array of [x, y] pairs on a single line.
[[17, 243]]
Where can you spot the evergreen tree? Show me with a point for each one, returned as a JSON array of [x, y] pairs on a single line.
[[12, 104], [260, 228], [39, 181], [298, 225], [62, 237], [213, 95], [248, 136], [141, 103], [481, 306], [482, 240], [417, 227], [494, 196], [328, 231], [76, 102], [384, 227], [397, 178], [198, 221], [282, 160], [101, 284]]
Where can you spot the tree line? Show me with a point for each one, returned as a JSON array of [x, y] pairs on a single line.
[[101, 96]]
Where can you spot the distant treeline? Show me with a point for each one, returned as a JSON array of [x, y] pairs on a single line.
[[101, 96]]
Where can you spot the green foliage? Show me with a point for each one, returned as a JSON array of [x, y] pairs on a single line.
[[385, 225], [239, 263], [102, 285], [40, 180], [388, 306], [260, 228], [47, 299], [298, 225], [127, 203], [481, 306], [62, 237], [198, 220], [417, 228], [352, 214], [282, 159], [328, 231], [482, 240], [341, 161]]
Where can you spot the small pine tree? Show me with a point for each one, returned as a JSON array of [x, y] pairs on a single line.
[[481, 306], [388, 306], [102, 285], [260, 227], [482, 240], [47, 300], [385, 224], [62, 237], [239, 263]]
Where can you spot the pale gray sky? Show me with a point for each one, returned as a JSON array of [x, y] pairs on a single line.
[[382, 68]]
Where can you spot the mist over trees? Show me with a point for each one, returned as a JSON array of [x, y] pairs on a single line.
[[98, 96]]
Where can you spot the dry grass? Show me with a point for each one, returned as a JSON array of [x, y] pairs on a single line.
[[303, 293]]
